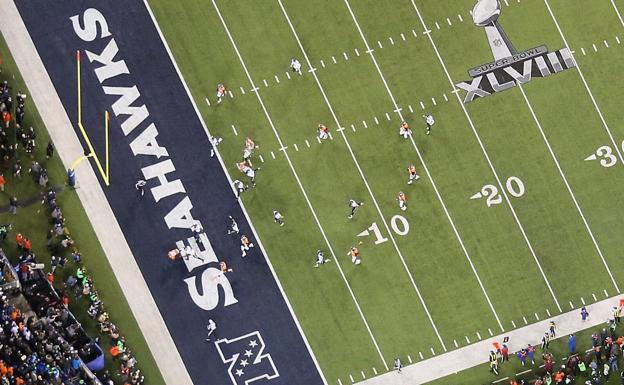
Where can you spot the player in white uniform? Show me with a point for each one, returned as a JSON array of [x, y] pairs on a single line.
[[323, 132], [353, 205], [413, 175], [214, 141], [197, 229], [212, 326], [247, 156], [278, 217], [188, 252], [240, 187], [404, 130], [233, 226], [429, 121], [320, 258], [295, 66], [398, 365]]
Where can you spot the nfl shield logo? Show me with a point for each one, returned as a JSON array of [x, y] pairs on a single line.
[[247, 358]]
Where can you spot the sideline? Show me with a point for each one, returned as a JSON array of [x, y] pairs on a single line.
[[476, 354], [93, 200]]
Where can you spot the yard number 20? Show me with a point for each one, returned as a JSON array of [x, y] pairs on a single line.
[[514, 185]]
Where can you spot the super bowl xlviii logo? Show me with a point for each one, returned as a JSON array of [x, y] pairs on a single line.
[[509, 67], [247, 359]]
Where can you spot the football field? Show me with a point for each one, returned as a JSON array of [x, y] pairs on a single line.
[[517, 215]]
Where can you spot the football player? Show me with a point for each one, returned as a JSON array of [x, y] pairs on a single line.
[[320, 258], [214, 141], [295, 66], [212, 326], [233, 229], [404, 130], [220, 92], [413, 175], [245, 245], [249, 172], [323, 132], [250, 144], [353, 205], [240, 187], [355, 255], [278, 218], [429, 121], [402, 201]]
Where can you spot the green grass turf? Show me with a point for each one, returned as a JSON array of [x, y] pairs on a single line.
[[517, 254], [32, 222]]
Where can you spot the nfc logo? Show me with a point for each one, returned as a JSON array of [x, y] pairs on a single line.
[[248, 362]]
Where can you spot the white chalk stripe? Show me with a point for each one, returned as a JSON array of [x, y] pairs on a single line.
[[364, 123], [322, 64], [334, 59], [421, 355], [403, 37], [410, 108], [265, 82], [234, 129], [242, 90], [307, 143], [345, 56], [276, 79], [379, 44], [409, 358], [207, 101], [391, 40], [387, 116], [272, 155], [376, 120], [414, 33], [357, 53], [288, 74]]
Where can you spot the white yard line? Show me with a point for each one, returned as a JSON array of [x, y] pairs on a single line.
[[296, 175], [361, 172], [435, 188], [591, 95], [472, 355], [565, 181], [243, 208], [617, 11], [487, 157]]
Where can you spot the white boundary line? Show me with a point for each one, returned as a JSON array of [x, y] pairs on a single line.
[[422, 161], [487, 157], [242, 205], [93, 200], [565, 180], [591, 95], [296, 175], [617, 11], [357, 165]]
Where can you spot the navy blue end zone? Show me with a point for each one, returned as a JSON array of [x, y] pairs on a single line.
[[156, 135]]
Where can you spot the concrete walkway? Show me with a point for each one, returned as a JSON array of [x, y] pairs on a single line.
[[476, 354], [94, 201]]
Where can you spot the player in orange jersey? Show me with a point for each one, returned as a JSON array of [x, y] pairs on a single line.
[[220, 92], [245, 245], [323, 131], [355, 255], [404, 130], [402, 201], [413, 175]]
